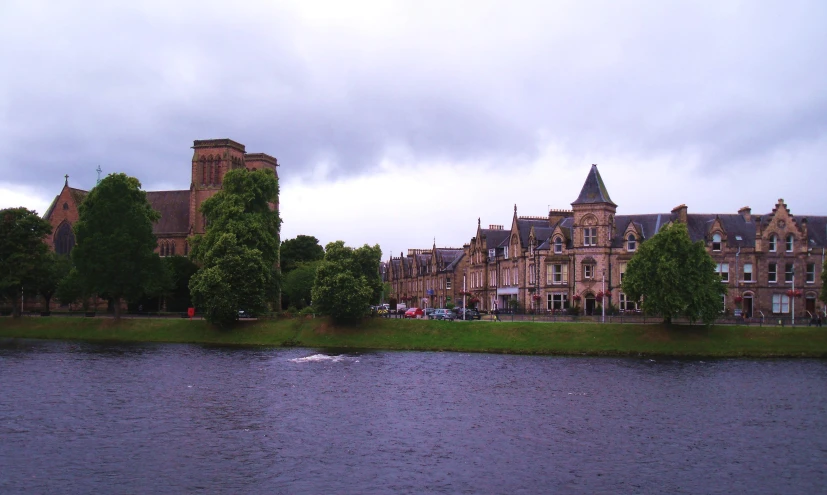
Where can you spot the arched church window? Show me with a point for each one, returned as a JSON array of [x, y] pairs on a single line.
[[186, 248], [64, 239], [203, 171], [65, 206], [172, 248]]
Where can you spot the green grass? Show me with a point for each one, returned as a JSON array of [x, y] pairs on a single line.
[[477, 336]]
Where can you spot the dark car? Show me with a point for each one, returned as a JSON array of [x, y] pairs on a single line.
[[470, 314]]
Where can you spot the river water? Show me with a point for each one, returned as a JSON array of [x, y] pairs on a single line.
[[80, 418]]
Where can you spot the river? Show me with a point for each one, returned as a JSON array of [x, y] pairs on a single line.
[[80, 418]]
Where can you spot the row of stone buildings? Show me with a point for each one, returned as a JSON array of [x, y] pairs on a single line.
[[577, 257]]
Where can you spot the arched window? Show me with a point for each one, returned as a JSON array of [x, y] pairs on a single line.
[[64, 239], [65, 206], [203, 171], [716, 242], [172, 248], [216, 172], [558, 245], [631, 242], [773, 243], [790, 243], [161, 248], [186, 248]]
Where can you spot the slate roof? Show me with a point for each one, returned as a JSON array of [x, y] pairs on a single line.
[[174, 207], [594, 191], [453, 264], [649, 224], [525, 224], [494, 238], [817, 230], [446, 256], [50, 209]]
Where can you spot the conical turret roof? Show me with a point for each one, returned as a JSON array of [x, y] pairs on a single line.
[[594, 191]]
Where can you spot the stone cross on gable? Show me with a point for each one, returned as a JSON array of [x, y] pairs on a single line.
[[67, 179]]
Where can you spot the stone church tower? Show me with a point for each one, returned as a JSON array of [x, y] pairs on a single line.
[[211, 160]]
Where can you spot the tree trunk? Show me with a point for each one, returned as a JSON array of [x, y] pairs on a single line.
[[15, 307], [116, 306], [667, 320]]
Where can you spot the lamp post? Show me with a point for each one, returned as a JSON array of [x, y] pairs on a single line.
[[464, 296], [792, 296], [536, 277], [603, 296]]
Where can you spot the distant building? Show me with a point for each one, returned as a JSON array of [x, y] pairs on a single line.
[[549, 263], [180, 210]]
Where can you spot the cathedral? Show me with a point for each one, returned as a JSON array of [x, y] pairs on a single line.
[[180, 210]]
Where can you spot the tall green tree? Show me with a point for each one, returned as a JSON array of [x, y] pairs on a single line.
[[180, 269], [54, 269], [238, 254], [22, 252], [675, 277], [347, 281], [301, 249], [297, 287], [114, 256]]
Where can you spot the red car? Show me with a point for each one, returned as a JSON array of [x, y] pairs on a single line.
[[414, 313]]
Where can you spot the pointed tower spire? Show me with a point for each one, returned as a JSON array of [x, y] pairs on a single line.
[[594, 191]]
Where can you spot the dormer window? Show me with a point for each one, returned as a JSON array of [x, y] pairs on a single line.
[[716, 242], [631, 243], [790, 243], [505, 252], [558, 245], [492, 254], [773, 242]]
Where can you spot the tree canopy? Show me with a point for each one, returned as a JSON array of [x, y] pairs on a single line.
[[301, 249], [675, 277], [298, 285], [52, 271], [22, 251], [114, 256], [347, 281], [238, 254]]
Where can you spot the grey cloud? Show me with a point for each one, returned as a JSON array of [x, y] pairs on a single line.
[[131, 88]]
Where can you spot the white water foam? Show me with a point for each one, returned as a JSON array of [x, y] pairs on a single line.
[[323, 357]]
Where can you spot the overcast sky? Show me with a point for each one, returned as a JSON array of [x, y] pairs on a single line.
[[402, 122]]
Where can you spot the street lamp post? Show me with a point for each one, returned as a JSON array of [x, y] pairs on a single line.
[[603, 296], [464, 296], [792, 295]]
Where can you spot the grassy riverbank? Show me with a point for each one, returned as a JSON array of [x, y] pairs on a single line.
[[500, 337]]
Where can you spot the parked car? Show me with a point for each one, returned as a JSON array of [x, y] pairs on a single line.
[[470, 313], [429, 312], [443, 314], [381, 310], [414, 313]]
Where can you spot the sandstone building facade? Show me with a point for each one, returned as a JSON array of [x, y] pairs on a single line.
[[180, 210], [578, 257]]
